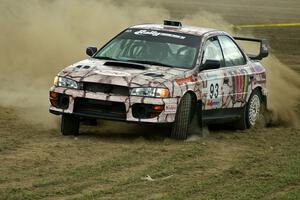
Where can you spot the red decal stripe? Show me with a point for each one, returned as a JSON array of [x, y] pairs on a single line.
[[185, 80]]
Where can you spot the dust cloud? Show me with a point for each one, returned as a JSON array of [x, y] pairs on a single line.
[[283, 92], [40, 38]]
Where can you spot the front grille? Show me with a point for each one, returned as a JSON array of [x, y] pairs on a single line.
[[106, 88], [100, 109]]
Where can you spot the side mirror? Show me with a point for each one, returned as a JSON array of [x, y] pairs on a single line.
[[90, 51], [211, 64]]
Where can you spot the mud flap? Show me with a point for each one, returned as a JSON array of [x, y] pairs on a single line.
[[196, 125]]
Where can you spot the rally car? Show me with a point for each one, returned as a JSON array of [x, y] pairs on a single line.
[[164, 74]]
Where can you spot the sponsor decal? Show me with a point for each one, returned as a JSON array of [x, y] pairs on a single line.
[[170, 108], [156, 33], [111, 73], [213, 102]]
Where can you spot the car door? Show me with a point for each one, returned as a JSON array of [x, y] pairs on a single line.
[[212, 90], [236, 85]]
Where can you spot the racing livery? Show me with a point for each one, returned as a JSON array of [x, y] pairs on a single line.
[[164, 74]]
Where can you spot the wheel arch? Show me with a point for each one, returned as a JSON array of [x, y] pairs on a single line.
[[192, 93], [260, 89], [196, 102]]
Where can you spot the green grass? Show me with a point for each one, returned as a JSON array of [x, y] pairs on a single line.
[[257, 164]]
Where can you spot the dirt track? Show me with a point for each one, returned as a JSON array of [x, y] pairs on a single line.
[[108, 162]]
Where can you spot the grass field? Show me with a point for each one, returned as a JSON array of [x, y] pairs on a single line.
[[40, 164], [113, 160]]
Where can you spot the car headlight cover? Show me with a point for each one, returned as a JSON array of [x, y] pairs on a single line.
[[65, 82], [150, 92]]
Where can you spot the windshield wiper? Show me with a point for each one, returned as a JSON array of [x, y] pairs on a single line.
[[149, 63]]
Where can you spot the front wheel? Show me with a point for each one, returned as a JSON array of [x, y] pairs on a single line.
[[183, 118], [69, 125], [252, 111]]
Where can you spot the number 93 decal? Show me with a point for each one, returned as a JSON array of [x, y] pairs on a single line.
[[214, 90]]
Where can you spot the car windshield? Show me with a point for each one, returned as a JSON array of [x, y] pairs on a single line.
[[145, 46]]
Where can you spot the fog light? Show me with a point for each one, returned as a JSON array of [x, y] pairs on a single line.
[[54, 95], [59, 100], [146, 111], [158, 107]]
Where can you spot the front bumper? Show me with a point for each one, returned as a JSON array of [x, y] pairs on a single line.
[[114, 107]]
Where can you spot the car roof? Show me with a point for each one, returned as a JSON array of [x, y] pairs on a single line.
[[199, 31]]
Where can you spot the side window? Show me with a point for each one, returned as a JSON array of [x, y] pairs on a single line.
[[212, 50], [232, 54]]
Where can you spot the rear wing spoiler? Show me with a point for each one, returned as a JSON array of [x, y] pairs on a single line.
[[264, 50]]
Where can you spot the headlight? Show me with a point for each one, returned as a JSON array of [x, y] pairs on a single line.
[[150, 92], [65, 82]]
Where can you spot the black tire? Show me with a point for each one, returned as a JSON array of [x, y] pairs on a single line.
[[246, 122], [183, 118], [69, 125]]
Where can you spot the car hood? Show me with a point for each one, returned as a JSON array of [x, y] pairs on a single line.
[[116, 73]]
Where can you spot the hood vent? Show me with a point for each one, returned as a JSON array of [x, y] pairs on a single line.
[[82, 67], [154, 75], [86, 67], [125, 64]]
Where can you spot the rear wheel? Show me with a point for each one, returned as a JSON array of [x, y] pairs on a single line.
[[252, 111], [183, 118], [69, 125]]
